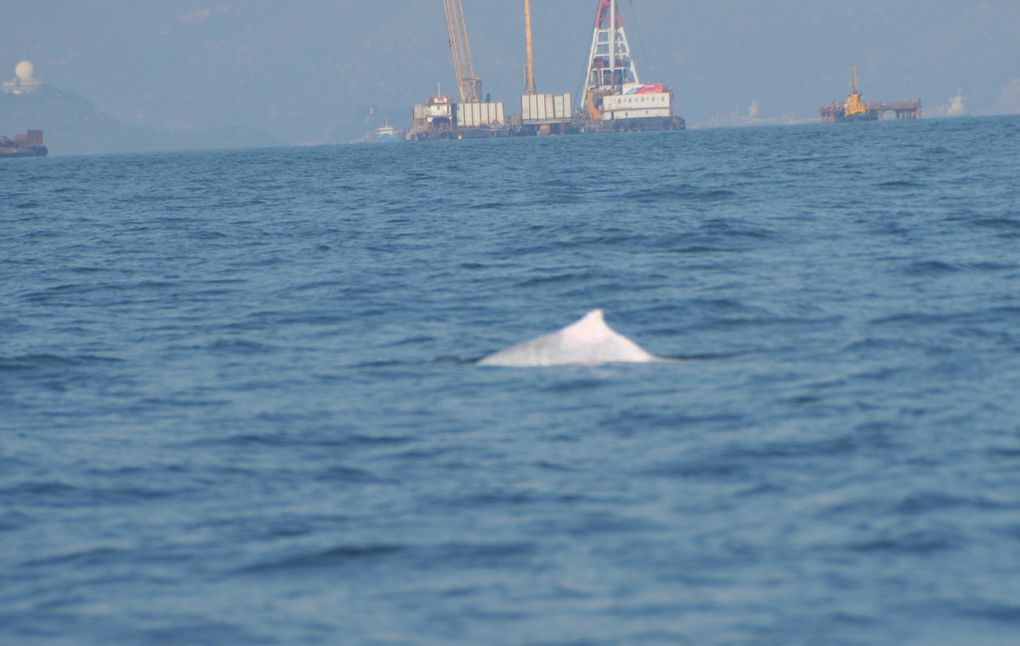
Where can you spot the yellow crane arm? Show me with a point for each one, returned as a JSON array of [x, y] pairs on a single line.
[[530, 69], [470, 85]]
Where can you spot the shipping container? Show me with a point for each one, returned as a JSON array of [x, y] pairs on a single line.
[[480, 115], [545, 108], [419, 117]]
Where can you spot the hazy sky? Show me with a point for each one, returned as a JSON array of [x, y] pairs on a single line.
[[298, 68]]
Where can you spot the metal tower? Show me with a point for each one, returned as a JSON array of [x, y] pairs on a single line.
[[610, 65], [470, 85]]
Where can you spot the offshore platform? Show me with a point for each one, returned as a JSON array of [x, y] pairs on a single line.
[[614, 98], [855, 109]]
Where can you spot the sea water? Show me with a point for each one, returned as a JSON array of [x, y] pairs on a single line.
[[239, 400]]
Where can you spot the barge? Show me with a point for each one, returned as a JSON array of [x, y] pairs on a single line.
[[29, 144], [614, 99]]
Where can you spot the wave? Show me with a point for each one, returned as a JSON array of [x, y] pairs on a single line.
[[329, 558], [26, 362]]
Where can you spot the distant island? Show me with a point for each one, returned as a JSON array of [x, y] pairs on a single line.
[[74, 126]]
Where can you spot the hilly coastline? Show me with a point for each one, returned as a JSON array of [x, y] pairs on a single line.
[[74, 126]]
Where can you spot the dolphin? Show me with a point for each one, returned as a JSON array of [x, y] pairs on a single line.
[[588, 342]]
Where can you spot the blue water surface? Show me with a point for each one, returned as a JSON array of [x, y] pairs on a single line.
[[238, 399]]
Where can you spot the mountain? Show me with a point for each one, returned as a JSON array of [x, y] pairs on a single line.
[[74, 126]]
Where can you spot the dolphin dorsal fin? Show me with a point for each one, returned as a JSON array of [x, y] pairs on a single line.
[[587, 341], [590, 328]]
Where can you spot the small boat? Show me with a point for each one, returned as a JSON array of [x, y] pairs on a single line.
[[387, 134]]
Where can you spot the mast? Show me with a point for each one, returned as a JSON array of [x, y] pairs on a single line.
[[469, 84], [530, 69]]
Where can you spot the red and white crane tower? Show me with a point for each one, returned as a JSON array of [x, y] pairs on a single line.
[[610, 65]]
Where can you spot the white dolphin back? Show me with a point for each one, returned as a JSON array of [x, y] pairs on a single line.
[[587, 342]]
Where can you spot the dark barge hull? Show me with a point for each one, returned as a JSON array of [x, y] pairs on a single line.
[[643, 124], [24, 151]]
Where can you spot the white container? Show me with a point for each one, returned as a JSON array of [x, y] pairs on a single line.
[[545, 108], [419, 117], [480, 115]]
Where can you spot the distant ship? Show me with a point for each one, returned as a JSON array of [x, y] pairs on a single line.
[[387, 134], [29, 144]]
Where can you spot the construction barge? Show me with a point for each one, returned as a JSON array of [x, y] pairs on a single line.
[[29, 144], [614, 98], [855, 108]]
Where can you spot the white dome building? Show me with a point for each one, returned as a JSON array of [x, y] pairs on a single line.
[[24, 81], [25, 71]]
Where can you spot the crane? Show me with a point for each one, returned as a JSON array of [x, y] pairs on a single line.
[[529, 70], [470, 85], [610, 65]]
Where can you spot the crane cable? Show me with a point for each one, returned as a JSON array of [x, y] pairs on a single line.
[[639, 40]]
